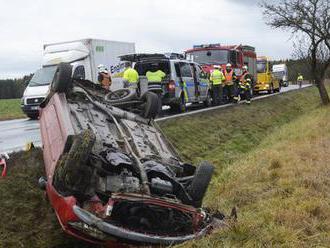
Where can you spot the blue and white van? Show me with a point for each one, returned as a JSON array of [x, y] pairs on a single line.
[[185, 81]]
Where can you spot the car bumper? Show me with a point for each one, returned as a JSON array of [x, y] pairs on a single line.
[[132, 236], [261, 87], [30, 109]]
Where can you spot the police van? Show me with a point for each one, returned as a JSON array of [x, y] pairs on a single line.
[[185, 82]]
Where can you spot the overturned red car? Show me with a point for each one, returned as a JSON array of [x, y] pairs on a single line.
[[111, 175]]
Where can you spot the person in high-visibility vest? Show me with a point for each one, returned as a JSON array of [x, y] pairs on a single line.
[[216, 79], [155, 85], [104, 77], [131, 76], [155, 77], [229, 88], [300, 79], [245, 84]]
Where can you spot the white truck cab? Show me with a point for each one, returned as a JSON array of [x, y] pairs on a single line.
[[280, 72], [84, 56]]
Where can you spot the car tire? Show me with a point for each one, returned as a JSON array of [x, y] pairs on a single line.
[[152, 103], [121, 95], [71, 172], [200, 183], [62, 80]]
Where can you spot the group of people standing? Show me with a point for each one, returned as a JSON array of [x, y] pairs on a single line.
[[130, 77], [226, 87]]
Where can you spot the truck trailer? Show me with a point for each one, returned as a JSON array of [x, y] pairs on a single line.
[[84, 56]]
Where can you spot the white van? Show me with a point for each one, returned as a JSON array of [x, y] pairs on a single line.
[[280, 72], [84, 56]]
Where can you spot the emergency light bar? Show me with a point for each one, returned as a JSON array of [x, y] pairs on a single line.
[[207, 45]]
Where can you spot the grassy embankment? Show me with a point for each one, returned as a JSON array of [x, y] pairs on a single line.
[[271, 162], [10, 109]]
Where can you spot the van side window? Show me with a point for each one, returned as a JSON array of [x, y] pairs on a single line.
[[79, 72], [185, 70], [201, 73], [177, 69]]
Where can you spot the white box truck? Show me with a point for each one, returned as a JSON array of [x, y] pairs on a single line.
[[84, 56], [280, 72]]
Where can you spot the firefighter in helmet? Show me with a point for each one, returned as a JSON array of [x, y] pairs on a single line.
[[229, 88], [104, 77]]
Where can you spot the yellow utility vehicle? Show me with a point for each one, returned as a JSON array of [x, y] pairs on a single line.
[[266, 80]]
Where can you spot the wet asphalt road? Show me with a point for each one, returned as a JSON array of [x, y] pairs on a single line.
[[15, 134]]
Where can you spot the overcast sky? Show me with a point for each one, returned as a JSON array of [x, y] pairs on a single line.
[[154, 25]]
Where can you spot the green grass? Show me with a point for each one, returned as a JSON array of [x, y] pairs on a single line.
[[271, 162], [26, 217], [223, 135], [10, 109]]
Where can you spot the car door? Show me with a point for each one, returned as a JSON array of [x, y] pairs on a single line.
[[188, 79], [203, 82]]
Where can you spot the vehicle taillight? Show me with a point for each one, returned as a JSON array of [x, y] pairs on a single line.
[[171, 86]]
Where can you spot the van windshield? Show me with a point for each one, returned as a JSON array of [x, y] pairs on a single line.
[[210, 56], [43, 76], [145, 66], [261, 66]]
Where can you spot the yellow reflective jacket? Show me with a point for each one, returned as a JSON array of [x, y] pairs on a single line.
[[131, 75], [155, 77], [217, 77], [300, 78]]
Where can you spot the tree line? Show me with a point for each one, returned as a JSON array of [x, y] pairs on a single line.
[[13, 88], [296, 66]]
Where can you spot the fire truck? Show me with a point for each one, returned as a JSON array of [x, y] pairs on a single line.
[[209, 55]]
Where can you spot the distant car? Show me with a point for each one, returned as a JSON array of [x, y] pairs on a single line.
[[112, 177], [181, 75]]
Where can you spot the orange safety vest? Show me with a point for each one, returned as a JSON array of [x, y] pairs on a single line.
[[229, 77], [106, 80]]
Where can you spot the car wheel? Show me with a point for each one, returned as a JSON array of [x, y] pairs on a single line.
[[62, 80], [72, 172], [200, 182], [152, 103], [121, 95]]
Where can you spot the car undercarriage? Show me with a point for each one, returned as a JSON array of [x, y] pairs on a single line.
[[124, 179]]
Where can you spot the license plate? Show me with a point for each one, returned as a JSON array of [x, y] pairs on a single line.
[[35, 108]]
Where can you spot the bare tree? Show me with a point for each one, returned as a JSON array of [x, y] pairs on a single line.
[[311, 20]]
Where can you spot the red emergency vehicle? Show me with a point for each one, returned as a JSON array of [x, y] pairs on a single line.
[[210, 55]]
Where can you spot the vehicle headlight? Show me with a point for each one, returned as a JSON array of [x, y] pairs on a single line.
[[22, 100]]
